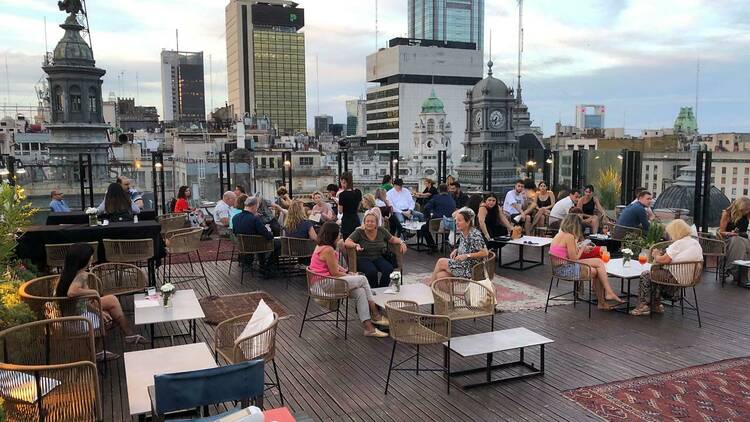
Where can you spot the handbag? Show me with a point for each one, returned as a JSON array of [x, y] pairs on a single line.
[[476, 296]]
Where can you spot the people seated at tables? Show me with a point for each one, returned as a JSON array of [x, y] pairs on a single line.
[[684, 248], [117, 205], [368, 204], [562, 207], [321, 208], [429, 191], [135, 196], [543, 203], [332, 191], [223, 208], [514, 206], [492, 221], [593, 214], [566, 245], [440, 205], [239, 205], [349, 202], [73, 282], [296, 223], [403, 203], [182, 204], [267, 215], [282, 198], [649, 211], [635, 214], [733, 230], [325, 262], [471, 249], [249, 222], [58, 204], [459, 197], [239, 190], [371, 242], [386, 185], [382, 202]]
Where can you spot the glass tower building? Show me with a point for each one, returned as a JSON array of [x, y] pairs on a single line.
[[447, 20]]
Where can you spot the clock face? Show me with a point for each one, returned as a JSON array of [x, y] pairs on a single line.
[[497, 119], [478, 120]]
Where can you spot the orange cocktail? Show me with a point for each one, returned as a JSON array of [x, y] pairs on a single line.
[[642, 259], [605, 256]]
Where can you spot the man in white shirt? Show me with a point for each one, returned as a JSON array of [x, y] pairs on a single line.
[[403, 203], [223, 208], [562, 208], [513, 205]]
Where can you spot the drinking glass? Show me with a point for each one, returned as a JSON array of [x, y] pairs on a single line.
[[643, 257]]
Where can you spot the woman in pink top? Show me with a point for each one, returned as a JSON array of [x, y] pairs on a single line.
[[565, 245], [325, 261]]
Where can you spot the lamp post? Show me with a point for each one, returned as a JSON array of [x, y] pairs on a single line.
[[442, 166], [394, 165], [286, 170], [87, 181], [157, 176], [487, 171], [531, 170]]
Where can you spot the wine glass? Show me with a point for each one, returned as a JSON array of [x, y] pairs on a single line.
[[643, 257]]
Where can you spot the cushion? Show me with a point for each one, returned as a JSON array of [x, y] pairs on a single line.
[[262, 318]]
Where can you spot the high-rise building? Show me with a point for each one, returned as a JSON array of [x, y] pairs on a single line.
[[266, 61], [183, 89], [447, 20], [356, 118], [409, 73], [323, 124], [590, 116]]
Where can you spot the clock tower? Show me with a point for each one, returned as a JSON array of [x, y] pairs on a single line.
[[431, 133], [490, 126]]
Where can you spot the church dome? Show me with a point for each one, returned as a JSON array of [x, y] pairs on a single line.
[[490, 87], [433, 104], [72, 50], [678, 196]]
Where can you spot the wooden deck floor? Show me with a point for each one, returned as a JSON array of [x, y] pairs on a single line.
[[330, 379]]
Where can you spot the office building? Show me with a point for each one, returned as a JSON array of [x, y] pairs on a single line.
[[407, 73], [356, 118], [323, 125], [447, 20], [590, 116], [266, 62], [183, 90]]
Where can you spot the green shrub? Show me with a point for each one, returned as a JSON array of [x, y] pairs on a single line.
[[608, 185]]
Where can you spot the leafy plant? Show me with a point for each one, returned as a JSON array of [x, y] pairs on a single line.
[[654, 235], [608, 185]]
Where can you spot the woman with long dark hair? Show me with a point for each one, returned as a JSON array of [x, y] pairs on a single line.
[[349, 201], [73, 282], [183, 195], [492, 221], [117, 205]]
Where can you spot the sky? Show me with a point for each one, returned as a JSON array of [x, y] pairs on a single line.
[[642, 59]]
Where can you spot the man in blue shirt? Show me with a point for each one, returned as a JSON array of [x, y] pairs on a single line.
[[442, 206], [57, 204], [635, 214], [248, 222]]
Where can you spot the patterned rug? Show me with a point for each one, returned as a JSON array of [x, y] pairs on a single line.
[[717, 391], [221, 308], [512, 295], [208, 252]]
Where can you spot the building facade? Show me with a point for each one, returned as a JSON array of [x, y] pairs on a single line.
[[323, 125], [356, 118], [590, 116], [447, 20], [183, 89], [266, 61]]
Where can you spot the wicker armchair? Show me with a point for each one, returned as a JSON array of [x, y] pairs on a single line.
[[619, 233], [561, 271], [485, 269], [436, 230], [185, 242], [49, 375], [128, 251], [461, 298], [295, 251], [56, 253], [328, 292], [717, 249], [120, 279], [409, 326], [171, 222], [351, 257], [683, 275], [253, 245], [234, 349]]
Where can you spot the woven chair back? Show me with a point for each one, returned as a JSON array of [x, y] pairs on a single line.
[[56, 253], [128, 251]]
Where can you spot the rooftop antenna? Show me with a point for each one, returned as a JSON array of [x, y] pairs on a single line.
[[376, 25], [520, 48], [697, 86], [7, 84], [46, 48], [137, 88], [211, 81], [317, 82], [88, 28], [490, 44]]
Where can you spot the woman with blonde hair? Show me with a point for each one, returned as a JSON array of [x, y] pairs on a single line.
[[566, 245], [733, 230], [322, 208], [368, 204], [471, 249], [296, 223], [684, 248]]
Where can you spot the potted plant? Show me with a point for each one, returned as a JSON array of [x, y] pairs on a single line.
[[167, 290], [91, 212], [653, 235], [627, 255]]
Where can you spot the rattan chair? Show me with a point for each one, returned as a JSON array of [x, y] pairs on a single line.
[[485, 269], [461, 298], [251, 245], [120, 278], [185, 242], [559, 273], [47, 374], [683, 275], [328, 292], [56, 253], [411, 327], [437, 231], [131, 251], [717, 249], [234, 349], [171, 222], [620, 233], [295, 251], [351, 257]]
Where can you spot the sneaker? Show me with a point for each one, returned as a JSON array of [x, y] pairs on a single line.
[[383, 321]]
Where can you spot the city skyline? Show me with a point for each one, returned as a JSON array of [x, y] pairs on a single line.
[[636, 58]]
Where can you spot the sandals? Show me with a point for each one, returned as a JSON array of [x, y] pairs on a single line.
[[640, 311], [383, 321], [102, 356], [376, 333], [135, 339]]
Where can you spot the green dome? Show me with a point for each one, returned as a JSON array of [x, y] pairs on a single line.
[[433, 104]]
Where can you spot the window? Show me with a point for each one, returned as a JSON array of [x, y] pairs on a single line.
[[734, 171], [58, 99], [271, 162], [723, 181], [382, 172], [747, 181], [263, 162], [734, 180], [365, 172], [723, 170], [93, 100], [646, 168], [654, 187], [654, 176], [734, 192], [656, 168], [305, 161], [75, 98], [430, 126], [744, 192]]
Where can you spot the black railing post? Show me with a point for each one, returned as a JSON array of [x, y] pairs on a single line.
[[698, 190], [707, 162]]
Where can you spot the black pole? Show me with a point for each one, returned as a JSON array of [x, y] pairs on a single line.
[[546, 168], [637, 164], [82, 179], [575, 176], [346, 161], [339, 155], [442, 166], [555, 168], [162, 184], [698, 190], [283, 169], [221, 173], [394, 164], [155, 182], [625, 197], [487, 170], [708, 161], [287, 158]]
